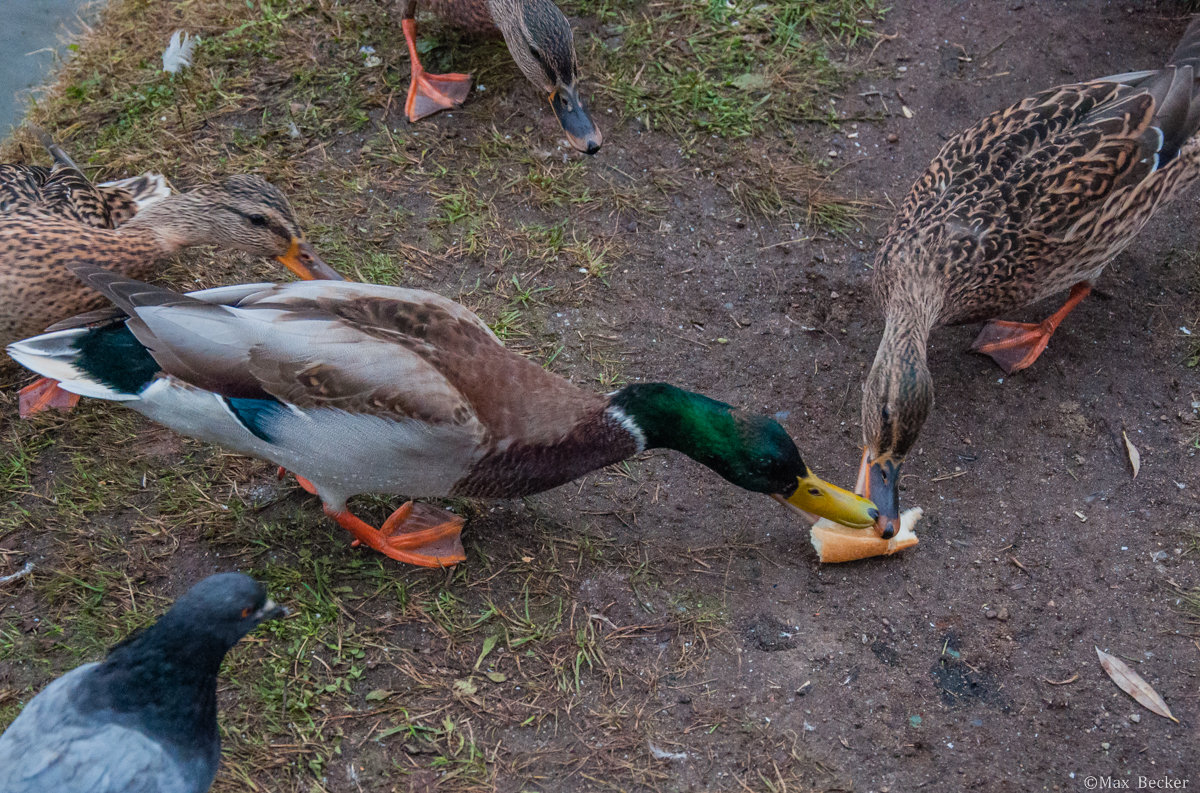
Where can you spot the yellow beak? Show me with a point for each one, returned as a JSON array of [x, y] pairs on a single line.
[[816, 496], [302, 260]]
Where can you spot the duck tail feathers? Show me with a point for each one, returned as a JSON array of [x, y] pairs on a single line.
[[1187, 52], [144, 190], [58, 356], [61, 160]]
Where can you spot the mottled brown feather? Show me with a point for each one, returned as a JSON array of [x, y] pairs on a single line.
[[1029, 201], [36, 241], [64, 192]]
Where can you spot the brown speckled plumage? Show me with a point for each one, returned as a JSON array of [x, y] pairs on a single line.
[[471, 16], [244, 212], [67, 193], [63, 190], [1028, 202], [541, 43]]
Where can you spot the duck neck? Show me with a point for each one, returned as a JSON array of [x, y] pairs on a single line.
[[899, 391], [176, 222], [638, 417]]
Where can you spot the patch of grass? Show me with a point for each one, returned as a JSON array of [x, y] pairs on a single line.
[[726, 69], [770, 184]]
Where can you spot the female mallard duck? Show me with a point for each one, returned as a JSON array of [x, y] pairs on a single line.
[[36, 241], [540, 41], [65, 190], [358, 388], [1030, 201]]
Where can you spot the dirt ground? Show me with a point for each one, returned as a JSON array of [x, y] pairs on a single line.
[[650, 628]]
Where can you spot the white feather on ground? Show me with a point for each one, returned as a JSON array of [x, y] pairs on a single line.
[[178, 54]]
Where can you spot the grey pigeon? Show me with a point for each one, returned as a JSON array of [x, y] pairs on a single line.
[[145, 718]]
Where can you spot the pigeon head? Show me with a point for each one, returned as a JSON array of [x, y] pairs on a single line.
[[225, 607], [188, 643]]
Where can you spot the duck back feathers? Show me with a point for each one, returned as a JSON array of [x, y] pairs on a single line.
[[1042, 194]]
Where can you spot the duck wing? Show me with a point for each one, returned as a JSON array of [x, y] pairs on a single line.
[[1046, 191], [357, 348]]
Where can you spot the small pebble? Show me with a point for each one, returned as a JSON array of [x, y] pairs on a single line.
[[1002, 615], [1135, 718], [893, 138], [991, 615]]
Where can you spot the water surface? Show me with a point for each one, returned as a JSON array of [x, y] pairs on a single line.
[[33, 38]]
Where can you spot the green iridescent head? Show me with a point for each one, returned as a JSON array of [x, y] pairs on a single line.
[[752, 451]]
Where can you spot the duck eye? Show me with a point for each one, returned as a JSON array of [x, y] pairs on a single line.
[[258, 220], [887, 414], [812, 491], [246, 612]]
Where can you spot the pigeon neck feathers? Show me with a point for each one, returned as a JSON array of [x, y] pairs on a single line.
[[163, 680], [166, 677]]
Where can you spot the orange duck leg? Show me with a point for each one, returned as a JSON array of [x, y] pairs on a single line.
[[44, 394], [417, 534], [430, 93]]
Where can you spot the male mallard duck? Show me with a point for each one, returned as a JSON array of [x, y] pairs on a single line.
[[358, 388], [540, 41], [1031, 200], [243, 212], [65, 190]]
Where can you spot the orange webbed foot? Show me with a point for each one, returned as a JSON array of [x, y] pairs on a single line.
[[433, 93], [1013, 345], [418, 534], [43, 395], [430, 93]]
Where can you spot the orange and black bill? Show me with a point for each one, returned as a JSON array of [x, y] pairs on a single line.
[[302, 260], [881, 484]]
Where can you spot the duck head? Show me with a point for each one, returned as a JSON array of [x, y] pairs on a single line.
[[897, 398], [540, 41]]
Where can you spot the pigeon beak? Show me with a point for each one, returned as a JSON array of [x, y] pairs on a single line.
[[269, 611]]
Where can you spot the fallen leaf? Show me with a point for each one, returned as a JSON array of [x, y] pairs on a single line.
[[488, 645], [497, 677], [379, 694], [1135, 457], [465, 688], [1132, 684], [751, 82]]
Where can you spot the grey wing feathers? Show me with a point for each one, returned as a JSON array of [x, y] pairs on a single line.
[[1187, 51], [224, 295], [52, 747], [357, 347]]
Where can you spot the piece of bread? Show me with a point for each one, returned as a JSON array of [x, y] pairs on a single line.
[[837, 543]]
